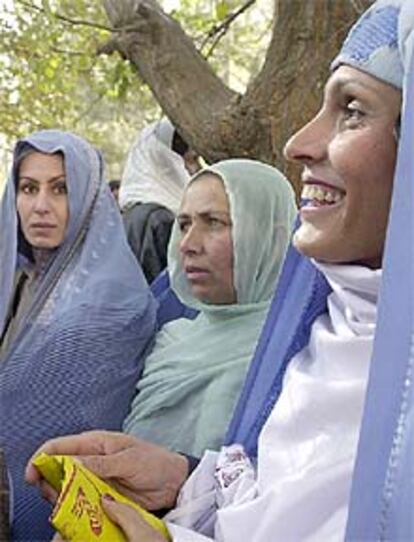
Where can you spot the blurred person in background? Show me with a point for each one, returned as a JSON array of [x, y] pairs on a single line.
[[152, 186]]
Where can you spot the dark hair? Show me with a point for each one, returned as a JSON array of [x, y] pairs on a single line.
[[178, 144], [114, 184]]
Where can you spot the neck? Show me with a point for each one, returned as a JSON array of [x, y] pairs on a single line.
[[41, 258]]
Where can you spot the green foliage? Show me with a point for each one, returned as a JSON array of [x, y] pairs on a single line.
[[51, 74]]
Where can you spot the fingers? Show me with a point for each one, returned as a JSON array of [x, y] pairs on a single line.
[[134, 527], [57, 538], [90, 443], [48, 492]]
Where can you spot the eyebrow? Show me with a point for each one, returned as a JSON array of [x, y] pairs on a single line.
[[204, 214], [342, 83], [51, 180]]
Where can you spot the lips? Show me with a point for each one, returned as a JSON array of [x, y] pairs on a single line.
[[195, 273], [319, 193], [42, 228], [45, 225]]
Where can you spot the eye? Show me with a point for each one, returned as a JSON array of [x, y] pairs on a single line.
[[60, 188], [27, 188], [183, 224], [353, 114]]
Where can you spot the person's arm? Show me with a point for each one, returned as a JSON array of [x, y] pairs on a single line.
[[149, 474]]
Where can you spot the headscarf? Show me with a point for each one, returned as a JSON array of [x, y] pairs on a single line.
[[74, 362], [153, 172], [382, 499], [382, 496], [192, 378]]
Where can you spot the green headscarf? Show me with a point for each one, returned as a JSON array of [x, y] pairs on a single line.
[[193, 376]]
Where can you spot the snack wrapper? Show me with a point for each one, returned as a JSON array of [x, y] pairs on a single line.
[[78, 514]]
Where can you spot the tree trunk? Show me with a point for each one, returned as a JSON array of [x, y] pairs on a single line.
[[218, 122]]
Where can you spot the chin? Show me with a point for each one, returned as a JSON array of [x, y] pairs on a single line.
[[44, 245], [317, 248]]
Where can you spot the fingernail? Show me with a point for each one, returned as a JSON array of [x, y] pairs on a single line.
[[108, 497]]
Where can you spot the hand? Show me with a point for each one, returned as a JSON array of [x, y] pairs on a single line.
[[134, 527], [149, 474]]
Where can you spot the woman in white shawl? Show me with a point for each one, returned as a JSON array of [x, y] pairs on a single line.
[[225, 254], [151, 189]]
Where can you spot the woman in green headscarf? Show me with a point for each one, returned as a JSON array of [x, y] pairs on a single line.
[[225, 253]]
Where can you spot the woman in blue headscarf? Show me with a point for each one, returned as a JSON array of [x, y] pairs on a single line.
[[75, 312], [326, 410]]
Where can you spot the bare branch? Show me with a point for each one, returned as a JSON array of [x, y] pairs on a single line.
[[219, 30], [65, 19]]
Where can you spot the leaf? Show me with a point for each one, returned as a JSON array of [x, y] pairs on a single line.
[[222, 10]]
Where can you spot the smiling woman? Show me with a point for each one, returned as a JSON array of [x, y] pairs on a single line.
[[75, 310]]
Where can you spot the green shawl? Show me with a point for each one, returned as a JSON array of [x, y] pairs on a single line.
[[195, 371]]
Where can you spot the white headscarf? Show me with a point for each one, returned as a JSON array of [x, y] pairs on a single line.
[[153, 172]]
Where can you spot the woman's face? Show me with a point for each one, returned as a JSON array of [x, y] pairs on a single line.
[[348, 153], [42, 201], [206, 245]]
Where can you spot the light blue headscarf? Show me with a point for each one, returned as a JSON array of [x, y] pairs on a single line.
[[382, 500], [74, 362], [192, 378]]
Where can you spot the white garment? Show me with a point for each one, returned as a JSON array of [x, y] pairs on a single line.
[[153, 172], [307, 447]]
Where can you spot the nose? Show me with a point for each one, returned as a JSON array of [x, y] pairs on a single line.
[[310, 143], [41, 204], [191, 241]]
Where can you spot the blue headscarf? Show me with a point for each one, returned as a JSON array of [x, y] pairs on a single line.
[[75, 361], [382, 498]]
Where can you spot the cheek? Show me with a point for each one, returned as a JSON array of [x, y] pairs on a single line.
[[63, 213], [22, 209], [224, 257]]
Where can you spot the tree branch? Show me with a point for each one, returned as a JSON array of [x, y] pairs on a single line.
[[219, 30], [64, 18]]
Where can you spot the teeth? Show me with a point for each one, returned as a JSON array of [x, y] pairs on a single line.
[[321, 194]]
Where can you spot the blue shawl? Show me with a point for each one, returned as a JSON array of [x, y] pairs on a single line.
[[382, 497], [75, 361]]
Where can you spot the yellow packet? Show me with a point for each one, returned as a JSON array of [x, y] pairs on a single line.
[[78, 514]]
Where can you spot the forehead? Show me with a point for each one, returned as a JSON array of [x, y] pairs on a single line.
[[38, 165], [348, 79], [205, 193]]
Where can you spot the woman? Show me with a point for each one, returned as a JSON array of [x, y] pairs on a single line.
[[321, 474], [225, 254], [151, 189], [75, 311]]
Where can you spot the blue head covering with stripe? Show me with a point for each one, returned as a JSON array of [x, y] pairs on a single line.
[[381, 44], [74, 362]]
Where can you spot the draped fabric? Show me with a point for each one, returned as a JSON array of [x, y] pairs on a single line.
[[382, 497], [153, 172], [74, 362], [193, 376], [299, 299]]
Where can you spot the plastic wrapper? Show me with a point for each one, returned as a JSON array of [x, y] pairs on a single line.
[[78, 514]]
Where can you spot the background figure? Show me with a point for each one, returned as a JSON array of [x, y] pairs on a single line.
[[227, 247], [4, 500], [114, 186], [152, 185], [75, 310]]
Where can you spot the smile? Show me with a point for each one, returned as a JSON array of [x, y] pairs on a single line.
[[323, 195]]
